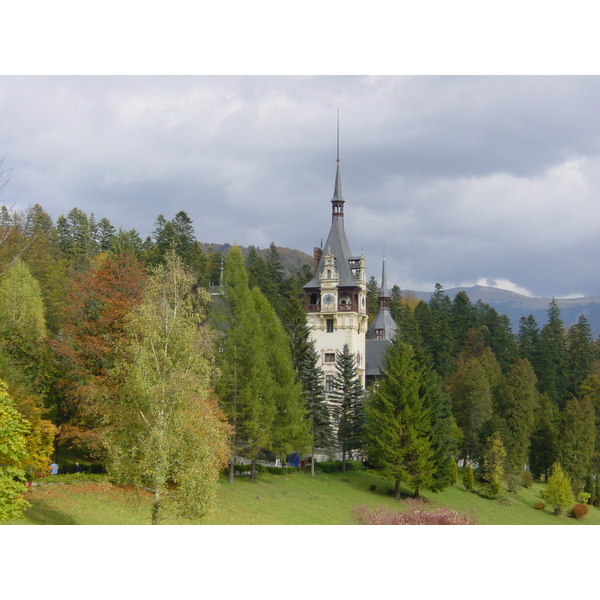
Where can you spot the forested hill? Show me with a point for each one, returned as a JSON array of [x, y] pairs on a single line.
[[291, 259], [515, 306]]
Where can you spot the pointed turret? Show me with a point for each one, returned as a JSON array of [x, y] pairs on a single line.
[[381, 332]]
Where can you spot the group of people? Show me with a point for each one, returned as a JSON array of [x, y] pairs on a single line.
[[54, 468]]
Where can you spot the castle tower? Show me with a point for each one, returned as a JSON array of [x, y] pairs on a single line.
[[381, 332], [336, 297]]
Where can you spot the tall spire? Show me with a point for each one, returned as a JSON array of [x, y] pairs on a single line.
[[337, 200], [384, 293]]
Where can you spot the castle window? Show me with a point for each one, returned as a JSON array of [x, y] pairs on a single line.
[[379, 334], [329, 357], [329, 325], [329, 383]]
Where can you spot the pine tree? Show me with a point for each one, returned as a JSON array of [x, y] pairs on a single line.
[[576, 440], [515, 403], [296, 325], [444, 433], [289, 428], [317, 409], [246, 385], [471, 396], [553, 357], [542, 447], [348, 410], [582, 354], [398, 424]]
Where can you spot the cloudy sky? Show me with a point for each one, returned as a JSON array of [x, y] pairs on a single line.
[[463, 179]]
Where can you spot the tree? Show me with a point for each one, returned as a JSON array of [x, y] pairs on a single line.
[[515, 403], [289, 430], [552, 375], [558, 491], [93, 325], [245, 387], [542, 448], [493, 464], [167, 434], [468, 478], [582, 354], [372, 297], [576, 440], [25, 359], [13, 453], [398, 425], [296, 325], [444, 433], [316, 406], [463, 317], [471, 395], [347, 398]]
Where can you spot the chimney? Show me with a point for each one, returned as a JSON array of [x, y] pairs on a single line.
[[317, 253]]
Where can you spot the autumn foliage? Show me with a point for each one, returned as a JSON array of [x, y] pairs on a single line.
[[94, 320], [415, 514]]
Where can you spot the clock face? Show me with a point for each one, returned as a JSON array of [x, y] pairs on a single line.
[[328, 299]]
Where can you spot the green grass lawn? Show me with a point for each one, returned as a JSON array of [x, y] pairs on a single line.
[[296, 499]]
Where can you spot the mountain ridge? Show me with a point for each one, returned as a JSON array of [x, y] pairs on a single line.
[[507, 302]]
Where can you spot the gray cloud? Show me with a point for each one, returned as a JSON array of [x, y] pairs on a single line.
[[466, 178]]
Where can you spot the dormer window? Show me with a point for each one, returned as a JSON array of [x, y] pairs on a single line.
[[379, 333]]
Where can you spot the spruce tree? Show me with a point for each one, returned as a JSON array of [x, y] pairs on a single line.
[[398, 424], [444, 433], [552, 374], [515, 403], [542, 446], [471, 396], [576, 440], [582, 354], [347, 398], [317, 409]]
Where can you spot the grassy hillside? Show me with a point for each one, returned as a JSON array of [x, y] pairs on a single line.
[[296, 499]]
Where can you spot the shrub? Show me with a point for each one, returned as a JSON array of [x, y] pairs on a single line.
[[539, 506], [334, 466], [468, 479], [558, 490], [495, 487], [416, 514], [527, 478], [579, 511], [584, 497]]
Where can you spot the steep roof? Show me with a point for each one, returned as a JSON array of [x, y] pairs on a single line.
[[337, 242]]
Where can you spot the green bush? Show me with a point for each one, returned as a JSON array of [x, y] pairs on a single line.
[[334, 466], [527, 478], [468, 479]]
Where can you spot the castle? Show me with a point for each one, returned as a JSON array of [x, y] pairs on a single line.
[[336, 302]]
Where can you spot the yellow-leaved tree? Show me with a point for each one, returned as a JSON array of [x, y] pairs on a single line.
[[167, 434], [13, 451]]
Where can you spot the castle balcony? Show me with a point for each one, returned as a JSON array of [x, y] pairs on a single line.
[[314, 308]]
